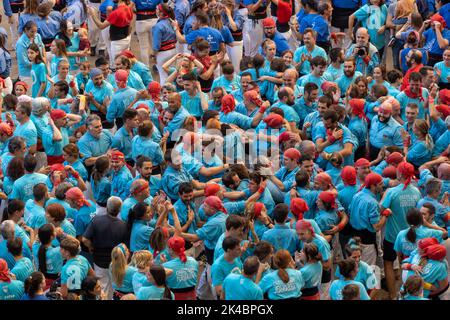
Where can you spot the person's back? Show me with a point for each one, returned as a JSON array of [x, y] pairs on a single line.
[[239, 287]]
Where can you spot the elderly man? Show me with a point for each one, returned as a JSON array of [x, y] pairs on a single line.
[[365, 53], [101, 236], [384, 131], [9, 230], [26, 128], [95, 142]]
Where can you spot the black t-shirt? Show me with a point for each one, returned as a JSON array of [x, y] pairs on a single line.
[[105, 232]]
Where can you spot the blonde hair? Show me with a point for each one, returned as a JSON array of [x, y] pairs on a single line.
[[118, 265], [82, 31], [142, 259], [424, 128]]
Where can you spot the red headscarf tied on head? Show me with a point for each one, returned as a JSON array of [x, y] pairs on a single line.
[[177, 245], [372, 179], [75, 194], [190, 139], [348, 175], [328, 197], [57, 114], [143, 106], [164, 13], [305, 225], [215, 203], [6, 129], [327, 85], [444, 109], [357, 106], [154, 89], [436, 252], [406, 169], [395, 158], [283, 137], [121, 77], [293, 154], [117, 155], [268, 22], [325, 178], [257, 209], [253, 96], [274, 120], [128, 54], [4, 271], [298, 207], [444, 96], [21, 83], [362, 162], [228, 104], [438, 18], [390, 172], [211, 189], [424, 243], [57, 167]]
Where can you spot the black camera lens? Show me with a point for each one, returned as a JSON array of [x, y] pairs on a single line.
[[361, 52]]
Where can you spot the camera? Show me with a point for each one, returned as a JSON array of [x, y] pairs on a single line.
[[361, 51]]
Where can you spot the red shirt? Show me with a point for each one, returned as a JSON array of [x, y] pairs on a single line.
[[121, 16], [284, 11]]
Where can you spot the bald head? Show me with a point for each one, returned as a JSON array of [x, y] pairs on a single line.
[[174, 102], [362, 37], [444, 171], [139, 189], [308, 147], [290, 77]]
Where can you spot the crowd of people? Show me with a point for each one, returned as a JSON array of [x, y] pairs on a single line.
[[251, 149]]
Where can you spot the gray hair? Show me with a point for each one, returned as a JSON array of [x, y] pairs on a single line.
[[433, 185], [61, 189], [113, 206], [7, 229], [92, 118]]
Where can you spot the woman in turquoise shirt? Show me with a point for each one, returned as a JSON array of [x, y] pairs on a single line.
[[121, 273], [158, 245], [185, 270], [284, 283], [100, 183], [142, 260], [28, 37], [349, 270], [138, 226], [47, 258], [406, 241], [159, 290], [420, 151], [311, 272], [366, 275]]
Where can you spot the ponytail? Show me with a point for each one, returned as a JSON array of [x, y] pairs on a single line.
[[45, 235], [429, 142], [33, 282], [415, 219], [282, 260], [118, 264], [167, 293], [159, 276]]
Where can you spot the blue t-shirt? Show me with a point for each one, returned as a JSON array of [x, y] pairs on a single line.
[[338, 285], [184, 273], [239, 287], [74, 272], [222, 268], [277, 289]]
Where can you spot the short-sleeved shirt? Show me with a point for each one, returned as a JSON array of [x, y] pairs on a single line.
[[277, 289], [239, 287], [338, 285], [74, 272], [212, 230], [222, 268], [184, 274]]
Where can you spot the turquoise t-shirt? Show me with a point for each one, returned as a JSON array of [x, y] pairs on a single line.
[[222, 268], [276, 289], [38, 76], [373, 18], [239, 287], [54, 260], [13, 290], [445, 71], [184, 274], [338, 285], [152, 293], [405, 247], [312, 274], [74, 272], [399, 201], [23, 269], [139, 281], [127, 282], [366, 275]]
